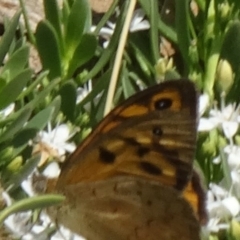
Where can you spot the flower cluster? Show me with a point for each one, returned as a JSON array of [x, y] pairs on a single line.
[[223, 199]]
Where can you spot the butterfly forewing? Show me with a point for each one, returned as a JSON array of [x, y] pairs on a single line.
[[152, 134]]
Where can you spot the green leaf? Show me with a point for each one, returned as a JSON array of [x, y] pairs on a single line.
[[16, 125], [98, 114], [56, 105], [65, 11], [154, 35], [127, 85], [78, 17], [8, 36], [52, 13], [68, 94], [30, 204], [85, 51], [48, 48], [183, 36], [17, 61], [22, 138], [11, 91], [40, 120], [142, 56]]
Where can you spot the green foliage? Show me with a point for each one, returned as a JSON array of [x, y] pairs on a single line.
[[68, 39], [8, 37], [49, 50]]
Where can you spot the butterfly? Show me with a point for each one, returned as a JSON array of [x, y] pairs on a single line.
[[132, 177]]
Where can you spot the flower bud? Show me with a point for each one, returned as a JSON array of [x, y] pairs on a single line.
[[162, 66], [15, 164], [224, 76], [209, 147], [224, 10], [235, 229]]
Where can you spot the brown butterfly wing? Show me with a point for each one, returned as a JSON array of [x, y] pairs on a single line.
[[125, 180], [152, 135], [128, 208]]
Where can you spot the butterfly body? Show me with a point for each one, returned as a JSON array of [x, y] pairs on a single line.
[[126, 180]]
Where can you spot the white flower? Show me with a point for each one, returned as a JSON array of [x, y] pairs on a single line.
[[52, 170], [232, 206], [64, 233], [233, 158], [203, 103], [233, 163], [214, 225], [216, 160], [27, 186], [57, 139], [221, 206], [137, 24], [235, 177], [206, 124], [54, 143], [82, 92], [228, 119], [223, 199], [17, 224], [224, 208]]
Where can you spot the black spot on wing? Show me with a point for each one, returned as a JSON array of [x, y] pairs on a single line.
[[149, 202], [150, 168], [157, 131], [163, 103], [106, 156]]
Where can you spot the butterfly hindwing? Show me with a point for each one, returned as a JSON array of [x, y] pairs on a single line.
[[128, 208]]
